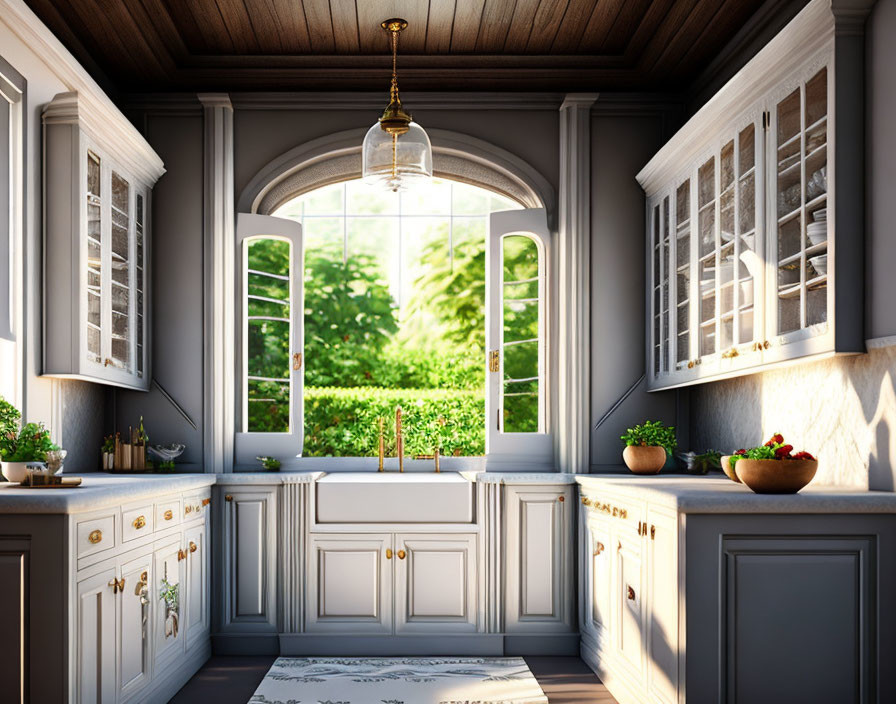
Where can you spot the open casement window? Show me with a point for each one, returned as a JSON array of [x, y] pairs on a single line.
[[517, 398], [269, 354]]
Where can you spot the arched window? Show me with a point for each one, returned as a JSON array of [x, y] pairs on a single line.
[[394, 314]]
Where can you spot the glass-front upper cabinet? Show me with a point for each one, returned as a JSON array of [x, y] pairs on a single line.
[[97, 249], [799, 129], [743, 270]]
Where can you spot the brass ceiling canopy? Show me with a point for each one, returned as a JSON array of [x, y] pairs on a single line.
[[394, 119]]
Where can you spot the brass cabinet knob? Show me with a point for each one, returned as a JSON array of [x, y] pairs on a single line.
[[402, 554], [766, 345], [598, 548], [586, 501], [95, 536], [561, 498], [139, 522], [228, 498], [181, 555], [168, 515], [388, 553], [193, 547], [206, 502], [690, 364], [188, 508], [631, 593]]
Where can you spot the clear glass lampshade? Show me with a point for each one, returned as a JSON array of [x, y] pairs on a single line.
[[411, 151]]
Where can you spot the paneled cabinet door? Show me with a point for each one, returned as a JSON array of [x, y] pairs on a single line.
[[350, 584], [539, 561], [96, 638], [598, 576], [249, 564], [196, 606], [168, 601], [435, 583], [628, 600], [134, 622], [662, 599]]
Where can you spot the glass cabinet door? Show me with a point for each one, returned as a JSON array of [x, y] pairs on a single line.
[[139, 282], [708, 254], [661, 306], [683, 275], [95, 288], [799, 129], [120, 342]]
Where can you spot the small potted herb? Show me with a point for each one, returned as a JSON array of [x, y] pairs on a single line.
[[772, 468], [647, 446], [269, 464], [27, 447], [108, 450]]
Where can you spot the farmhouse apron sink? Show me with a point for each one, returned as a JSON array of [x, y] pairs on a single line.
[[383, 497]]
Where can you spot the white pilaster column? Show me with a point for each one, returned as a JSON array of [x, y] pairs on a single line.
[[217, 256], [574, 290]]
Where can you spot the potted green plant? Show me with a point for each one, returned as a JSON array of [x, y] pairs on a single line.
[[9, 420], [647, 446], [27, 447], [269, 464], [772, 468]]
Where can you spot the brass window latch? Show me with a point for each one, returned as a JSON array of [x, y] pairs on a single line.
[[494, 361], [296, 361]]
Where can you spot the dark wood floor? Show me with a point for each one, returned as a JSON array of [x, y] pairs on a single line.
[[233, 679]]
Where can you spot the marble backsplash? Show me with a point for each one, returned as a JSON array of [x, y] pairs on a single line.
[[843, 410]]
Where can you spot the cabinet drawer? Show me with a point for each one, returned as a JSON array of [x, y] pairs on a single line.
[[96, 535], [623, 513], [137, 522], [168, 513], [194, 507]]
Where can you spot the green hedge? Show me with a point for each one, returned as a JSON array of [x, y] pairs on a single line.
[[345, 422]]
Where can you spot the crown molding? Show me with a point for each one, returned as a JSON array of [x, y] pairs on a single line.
[[90, 99]]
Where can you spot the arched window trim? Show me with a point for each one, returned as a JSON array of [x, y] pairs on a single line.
[[337, 157]]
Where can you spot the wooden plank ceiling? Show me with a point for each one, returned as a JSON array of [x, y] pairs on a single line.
[[556, 45]]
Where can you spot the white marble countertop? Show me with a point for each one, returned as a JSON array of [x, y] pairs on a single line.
[[718, 494], [96, 491]]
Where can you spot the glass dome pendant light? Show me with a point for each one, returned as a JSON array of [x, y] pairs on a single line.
[[396, 150]]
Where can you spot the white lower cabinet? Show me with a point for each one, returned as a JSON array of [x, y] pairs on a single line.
[[435, 584], [130, 644], [538, 546], [629, 615], [249, 564], [134, 620], [96, 631], [355, 578]]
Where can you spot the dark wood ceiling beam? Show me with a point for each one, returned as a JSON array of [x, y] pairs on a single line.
[[154, 16], [647, 28], [320, 26], [290, 18], [467, 21], [630, 17], [599, 25], [497, 17], [439, 26], [573, 25], [547, 22], [666, 32], [344, 15], [520, 26]]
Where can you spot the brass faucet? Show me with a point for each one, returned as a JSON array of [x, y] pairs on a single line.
[[399, 442]]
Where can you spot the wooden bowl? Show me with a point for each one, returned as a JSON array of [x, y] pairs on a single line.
[[776, 476], [644, 459], [725, 461]]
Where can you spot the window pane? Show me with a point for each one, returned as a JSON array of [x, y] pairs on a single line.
[[94, 260], [325, 201], [268, 296]]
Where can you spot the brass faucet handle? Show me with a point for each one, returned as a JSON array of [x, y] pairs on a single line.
[[436, 454]]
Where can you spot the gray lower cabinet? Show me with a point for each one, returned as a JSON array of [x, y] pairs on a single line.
[[744, 608], [539, 552], [95, 630], [248, 560]]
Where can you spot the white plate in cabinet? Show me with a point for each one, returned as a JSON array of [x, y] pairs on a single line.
[[137, 522], [350, 584], [539, 561], [95, 535], [435, 583]]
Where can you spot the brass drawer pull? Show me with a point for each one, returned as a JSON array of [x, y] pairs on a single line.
[[388, 553], [139, 522], [193, 547], [206, 502], [586, 501], [598, 548], [181, 555], [168, 515], [95, 536], [652, 532], [188, 508], [401, 554], [228, 498], [631, 594]]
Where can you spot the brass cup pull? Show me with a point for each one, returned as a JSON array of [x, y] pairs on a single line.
[[631, 593], [388, 553], [598, 548], [193, 546], [139, 522], [168, 515], [402, 554], [95, 537]]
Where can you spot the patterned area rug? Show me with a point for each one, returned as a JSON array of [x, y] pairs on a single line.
[[399, 681]]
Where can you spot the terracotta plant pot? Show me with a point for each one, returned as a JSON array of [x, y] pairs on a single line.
[[776, 476], [644, 459], [725, 461]]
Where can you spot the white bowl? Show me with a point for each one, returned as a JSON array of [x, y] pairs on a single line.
[[817, 232], [820, 263], [820, 215]]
